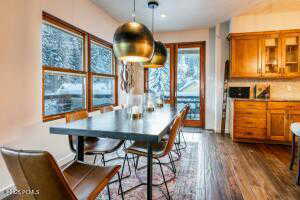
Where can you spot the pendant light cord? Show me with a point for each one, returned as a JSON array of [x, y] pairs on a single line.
[[134, 10], [152, 20]]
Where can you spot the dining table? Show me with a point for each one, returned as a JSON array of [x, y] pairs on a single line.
[[150, 128]]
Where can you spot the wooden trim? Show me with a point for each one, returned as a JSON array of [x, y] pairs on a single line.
[[87, 38], [63, 70], [202, 83], [63, 24], [103, 75], [100, 41]]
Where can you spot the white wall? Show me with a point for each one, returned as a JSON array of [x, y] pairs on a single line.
[[221, 55], [192, 36], [265, 22], [21, 77]]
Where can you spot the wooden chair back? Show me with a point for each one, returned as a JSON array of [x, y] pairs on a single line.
[[73, 117], [173, 133], [37, 173], [106, 109]]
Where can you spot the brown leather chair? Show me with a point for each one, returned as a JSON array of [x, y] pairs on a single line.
[[160, 150], [37, 175], [92, 145]]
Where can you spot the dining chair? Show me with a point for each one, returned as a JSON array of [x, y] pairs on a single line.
[[37, 176], [93, 146], [160, 150], [117, 107], [106, 109], [295, 129], [181, 137]]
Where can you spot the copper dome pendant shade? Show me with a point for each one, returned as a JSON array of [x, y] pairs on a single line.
[[159, 57], [133, 42], [160, 52]]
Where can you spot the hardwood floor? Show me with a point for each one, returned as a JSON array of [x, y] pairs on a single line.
[[215, 168], [231, 170]]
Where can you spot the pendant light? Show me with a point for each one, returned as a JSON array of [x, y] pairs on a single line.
[[133, 42], [160, 52]]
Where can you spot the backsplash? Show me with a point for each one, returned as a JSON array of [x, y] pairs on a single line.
[[280, 89]]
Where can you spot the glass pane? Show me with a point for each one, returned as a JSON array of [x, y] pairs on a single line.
[[63, 93], [159, 79], [291, 55], [101, 59], [271, 55], [61, 49], [103, 91], [188, 80]]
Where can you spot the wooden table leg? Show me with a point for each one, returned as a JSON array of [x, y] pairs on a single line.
[[80, 148], [149, 171]]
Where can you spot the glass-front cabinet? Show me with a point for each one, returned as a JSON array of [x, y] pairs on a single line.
[[271, 62], [290, 55]]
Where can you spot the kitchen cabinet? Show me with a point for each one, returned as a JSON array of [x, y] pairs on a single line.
[[264, 120], [260, 55], [290, 55], [245, 56]]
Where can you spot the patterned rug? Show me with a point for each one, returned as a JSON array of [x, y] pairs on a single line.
[[184, 186]]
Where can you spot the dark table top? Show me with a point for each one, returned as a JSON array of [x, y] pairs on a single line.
[[118, 125]]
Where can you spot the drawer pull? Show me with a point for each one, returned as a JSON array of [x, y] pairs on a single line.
[[248, 133]]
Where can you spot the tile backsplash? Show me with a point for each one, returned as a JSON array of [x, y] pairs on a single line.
[[280, 89]]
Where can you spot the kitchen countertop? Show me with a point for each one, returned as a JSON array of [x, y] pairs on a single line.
[[267, 100]]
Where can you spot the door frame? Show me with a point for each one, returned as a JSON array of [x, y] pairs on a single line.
[[173, 77]]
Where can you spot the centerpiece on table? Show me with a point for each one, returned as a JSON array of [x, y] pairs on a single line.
[[149, 105], [135, 106]]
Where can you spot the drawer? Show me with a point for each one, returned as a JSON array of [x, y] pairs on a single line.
[[294, 105], [241, 105], [278, 105], [250, 122], [250, 133], [251, 113]]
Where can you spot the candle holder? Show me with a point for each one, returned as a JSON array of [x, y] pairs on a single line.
[[135, 106], [160, 102], [149, 106]]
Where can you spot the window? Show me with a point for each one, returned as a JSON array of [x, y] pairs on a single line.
[[102, 74], [101, 59], [159, 79], [61, 48], [103, 91], [78, 70]]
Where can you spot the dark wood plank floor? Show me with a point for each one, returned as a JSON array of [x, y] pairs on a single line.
[[244, 171], [228, 170]]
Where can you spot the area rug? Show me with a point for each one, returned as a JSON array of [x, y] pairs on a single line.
[[184, 186]]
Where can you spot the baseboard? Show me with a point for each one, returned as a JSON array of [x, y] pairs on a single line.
[[6, 191]]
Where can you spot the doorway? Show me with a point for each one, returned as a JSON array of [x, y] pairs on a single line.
[[182, 80]]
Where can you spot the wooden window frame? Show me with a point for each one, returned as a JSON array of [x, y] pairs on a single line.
[[87, 38], [173, 77]]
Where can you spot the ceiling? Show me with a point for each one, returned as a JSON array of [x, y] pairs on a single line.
[[180, 14]]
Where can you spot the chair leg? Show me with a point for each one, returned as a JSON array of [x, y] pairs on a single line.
[[293, 151], [95, 159], [108, 190], [164, 178], [298, 176], [172, 163], [120, 186]]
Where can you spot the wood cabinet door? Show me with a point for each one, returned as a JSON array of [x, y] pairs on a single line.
[[290, 54], [277, 125], [271, 55], [293, 116], [246, 57]]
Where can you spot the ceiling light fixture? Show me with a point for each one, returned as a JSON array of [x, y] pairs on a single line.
[[160, 52], [133, 42], [163, 16]]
